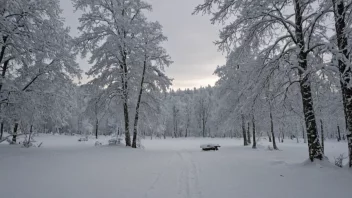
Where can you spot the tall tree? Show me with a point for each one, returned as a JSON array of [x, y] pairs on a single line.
[[154, 60], [37, 62], [256, 23], [340, 12], [109, 31]]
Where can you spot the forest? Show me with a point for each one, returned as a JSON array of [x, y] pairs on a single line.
[[284, 95], [287, 73]]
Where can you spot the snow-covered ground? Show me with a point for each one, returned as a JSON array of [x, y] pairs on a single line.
[[171, 168]]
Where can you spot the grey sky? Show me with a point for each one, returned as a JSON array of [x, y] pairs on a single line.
[[190, 41]]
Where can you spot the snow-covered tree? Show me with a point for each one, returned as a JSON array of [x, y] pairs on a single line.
[[126, 54], [280, 32], [37, 61]]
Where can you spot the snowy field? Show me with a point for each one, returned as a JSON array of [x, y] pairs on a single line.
[[172, 168]]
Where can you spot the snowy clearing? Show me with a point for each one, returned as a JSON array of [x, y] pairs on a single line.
[[173, 168]]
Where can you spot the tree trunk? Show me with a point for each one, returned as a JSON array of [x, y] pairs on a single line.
[[307, 100], [322, 136], [135, 132], [253, 129], [6, 63], [304, 134], [187, 126], [249, 134], [272, 131], [338, 133], [345, 74], [96, 128], [124, 80], [203, 126], [269, 136], [1, 130], [245, 141], [127, 122], [312, 133], [15, 133], [30, 134]]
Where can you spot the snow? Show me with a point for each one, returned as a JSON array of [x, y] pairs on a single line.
[[171, 168]]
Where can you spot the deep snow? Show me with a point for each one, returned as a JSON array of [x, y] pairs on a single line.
[[171, 168]]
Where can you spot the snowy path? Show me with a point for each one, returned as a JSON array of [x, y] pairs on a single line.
[[179, 178], [158, 172]]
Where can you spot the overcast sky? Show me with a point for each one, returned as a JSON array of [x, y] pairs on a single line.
[[190, 41]]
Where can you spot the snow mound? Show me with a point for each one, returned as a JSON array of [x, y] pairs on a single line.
[[325, 163]]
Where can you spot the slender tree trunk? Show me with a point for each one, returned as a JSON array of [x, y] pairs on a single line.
[[345, 73], [124, 80], [6, 63], [304, 134], [249, 134], [272, 131], [245, 142], [203, 126], [253, 129], [126, 119], [15, 133], [3, 73], [322, 136], [96, 128], [187, 126], [1, 130], [338, 133], [135, 132], [269, 136], [307, 100], [127, 123], [30, 134]]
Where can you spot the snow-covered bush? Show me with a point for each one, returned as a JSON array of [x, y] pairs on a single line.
[[83, 139], [270, 148], [27, 144], [139, 143], [10, 141], [97, 143], [339, 160], [112, 142]]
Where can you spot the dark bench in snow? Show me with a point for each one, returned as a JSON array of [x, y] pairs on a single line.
[[115, 141], [83, 139], [210, 147]]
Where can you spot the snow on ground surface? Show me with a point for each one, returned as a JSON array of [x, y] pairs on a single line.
[[171, 168]]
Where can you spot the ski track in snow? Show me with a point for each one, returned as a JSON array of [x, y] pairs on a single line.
[[188, 179], [154, 186]]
